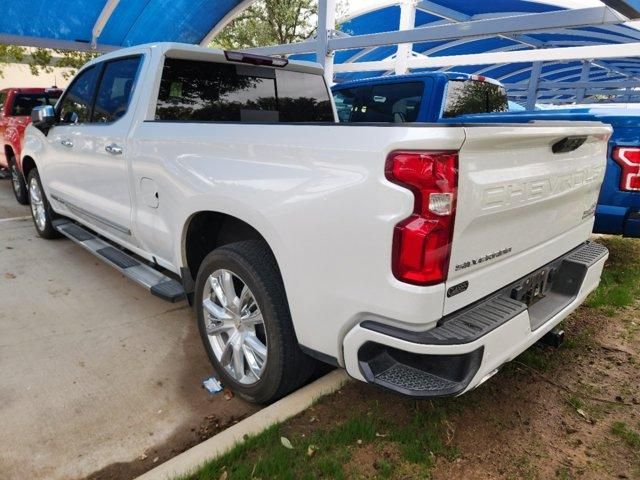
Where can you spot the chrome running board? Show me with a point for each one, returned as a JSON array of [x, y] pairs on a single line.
[[157, 283]]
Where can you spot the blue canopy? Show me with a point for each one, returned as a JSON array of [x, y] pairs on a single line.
[[132, 22], [112, 24]]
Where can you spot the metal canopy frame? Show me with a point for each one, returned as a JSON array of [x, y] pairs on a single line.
[[601, 54]]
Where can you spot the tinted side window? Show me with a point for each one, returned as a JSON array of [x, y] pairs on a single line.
[[3, 99], [24, 103], [303, 97], [76, 103], [470, 96], [115, 89], [208, 91], [391, 103], [345, 103]]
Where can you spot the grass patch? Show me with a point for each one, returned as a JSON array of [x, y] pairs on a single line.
[[537, 357], [417, 442], [618, 286], [626, 433], [563, 474], [575, 402]]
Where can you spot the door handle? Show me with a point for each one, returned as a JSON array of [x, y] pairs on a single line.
[[66, 143], [113, 149]]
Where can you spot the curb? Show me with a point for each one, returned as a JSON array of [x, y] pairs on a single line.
[[219, 444]]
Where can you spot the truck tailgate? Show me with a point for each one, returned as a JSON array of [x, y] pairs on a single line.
[[526, 195]]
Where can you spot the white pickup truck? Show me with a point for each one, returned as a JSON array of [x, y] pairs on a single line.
[[419, 257]]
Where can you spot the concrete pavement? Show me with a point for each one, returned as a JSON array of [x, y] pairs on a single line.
[[94, 371], [9, 208]]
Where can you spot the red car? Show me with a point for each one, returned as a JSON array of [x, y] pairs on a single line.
[[15, 114]]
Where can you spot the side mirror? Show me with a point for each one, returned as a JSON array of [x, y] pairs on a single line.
[[43, 117]]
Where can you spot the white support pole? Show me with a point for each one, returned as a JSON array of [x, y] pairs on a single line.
[[510, 25], [102, 20], [492, 58], [407, 22], [326, 25], [584, 77], [554, 85], [532, 94], [39, 42]]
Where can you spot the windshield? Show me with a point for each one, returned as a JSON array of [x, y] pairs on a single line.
[[465, 97], [25, 102]]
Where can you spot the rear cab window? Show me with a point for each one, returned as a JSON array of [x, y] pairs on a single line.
[[205, 91], [464, 97], [386, 103]]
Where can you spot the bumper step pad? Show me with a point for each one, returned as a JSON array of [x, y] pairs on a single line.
[[156, 282], [413, 379], [421, 376]]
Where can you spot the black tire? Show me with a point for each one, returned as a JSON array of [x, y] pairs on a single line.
[[287, 367], [17, 183], [45, 230]]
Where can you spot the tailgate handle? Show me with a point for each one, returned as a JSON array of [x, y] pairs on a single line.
[[568, 144]]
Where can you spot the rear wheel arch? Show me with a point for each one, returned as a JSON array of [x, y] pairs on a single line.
[[8, 152], [28, 164], [205, 231], [18, 180]]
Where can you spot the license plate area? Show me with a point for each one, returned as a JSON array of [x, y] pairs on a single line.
[[535, 286]]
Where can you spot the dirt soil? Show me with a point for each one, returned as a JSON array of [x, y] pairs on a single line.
[[556, 424]]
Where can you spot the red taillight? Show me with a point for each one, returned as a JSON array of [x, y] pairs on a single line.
[[629, 160], [422, 242]]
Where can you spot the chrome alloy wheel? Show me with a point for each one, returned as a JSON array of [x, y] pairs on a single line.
[[235, 327], [15, 179], [37, 204]]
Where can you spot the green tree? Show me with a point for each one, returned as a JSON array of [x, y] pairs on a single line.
[[10, 54], [42, 60], [272, 22]]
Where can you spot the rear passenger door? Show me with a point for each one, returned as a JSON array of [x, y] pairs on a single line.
[[91, 137]]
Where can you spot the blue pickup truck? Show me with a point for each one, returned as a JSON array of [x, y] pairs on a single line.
[[428, 97], [442, 97]]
